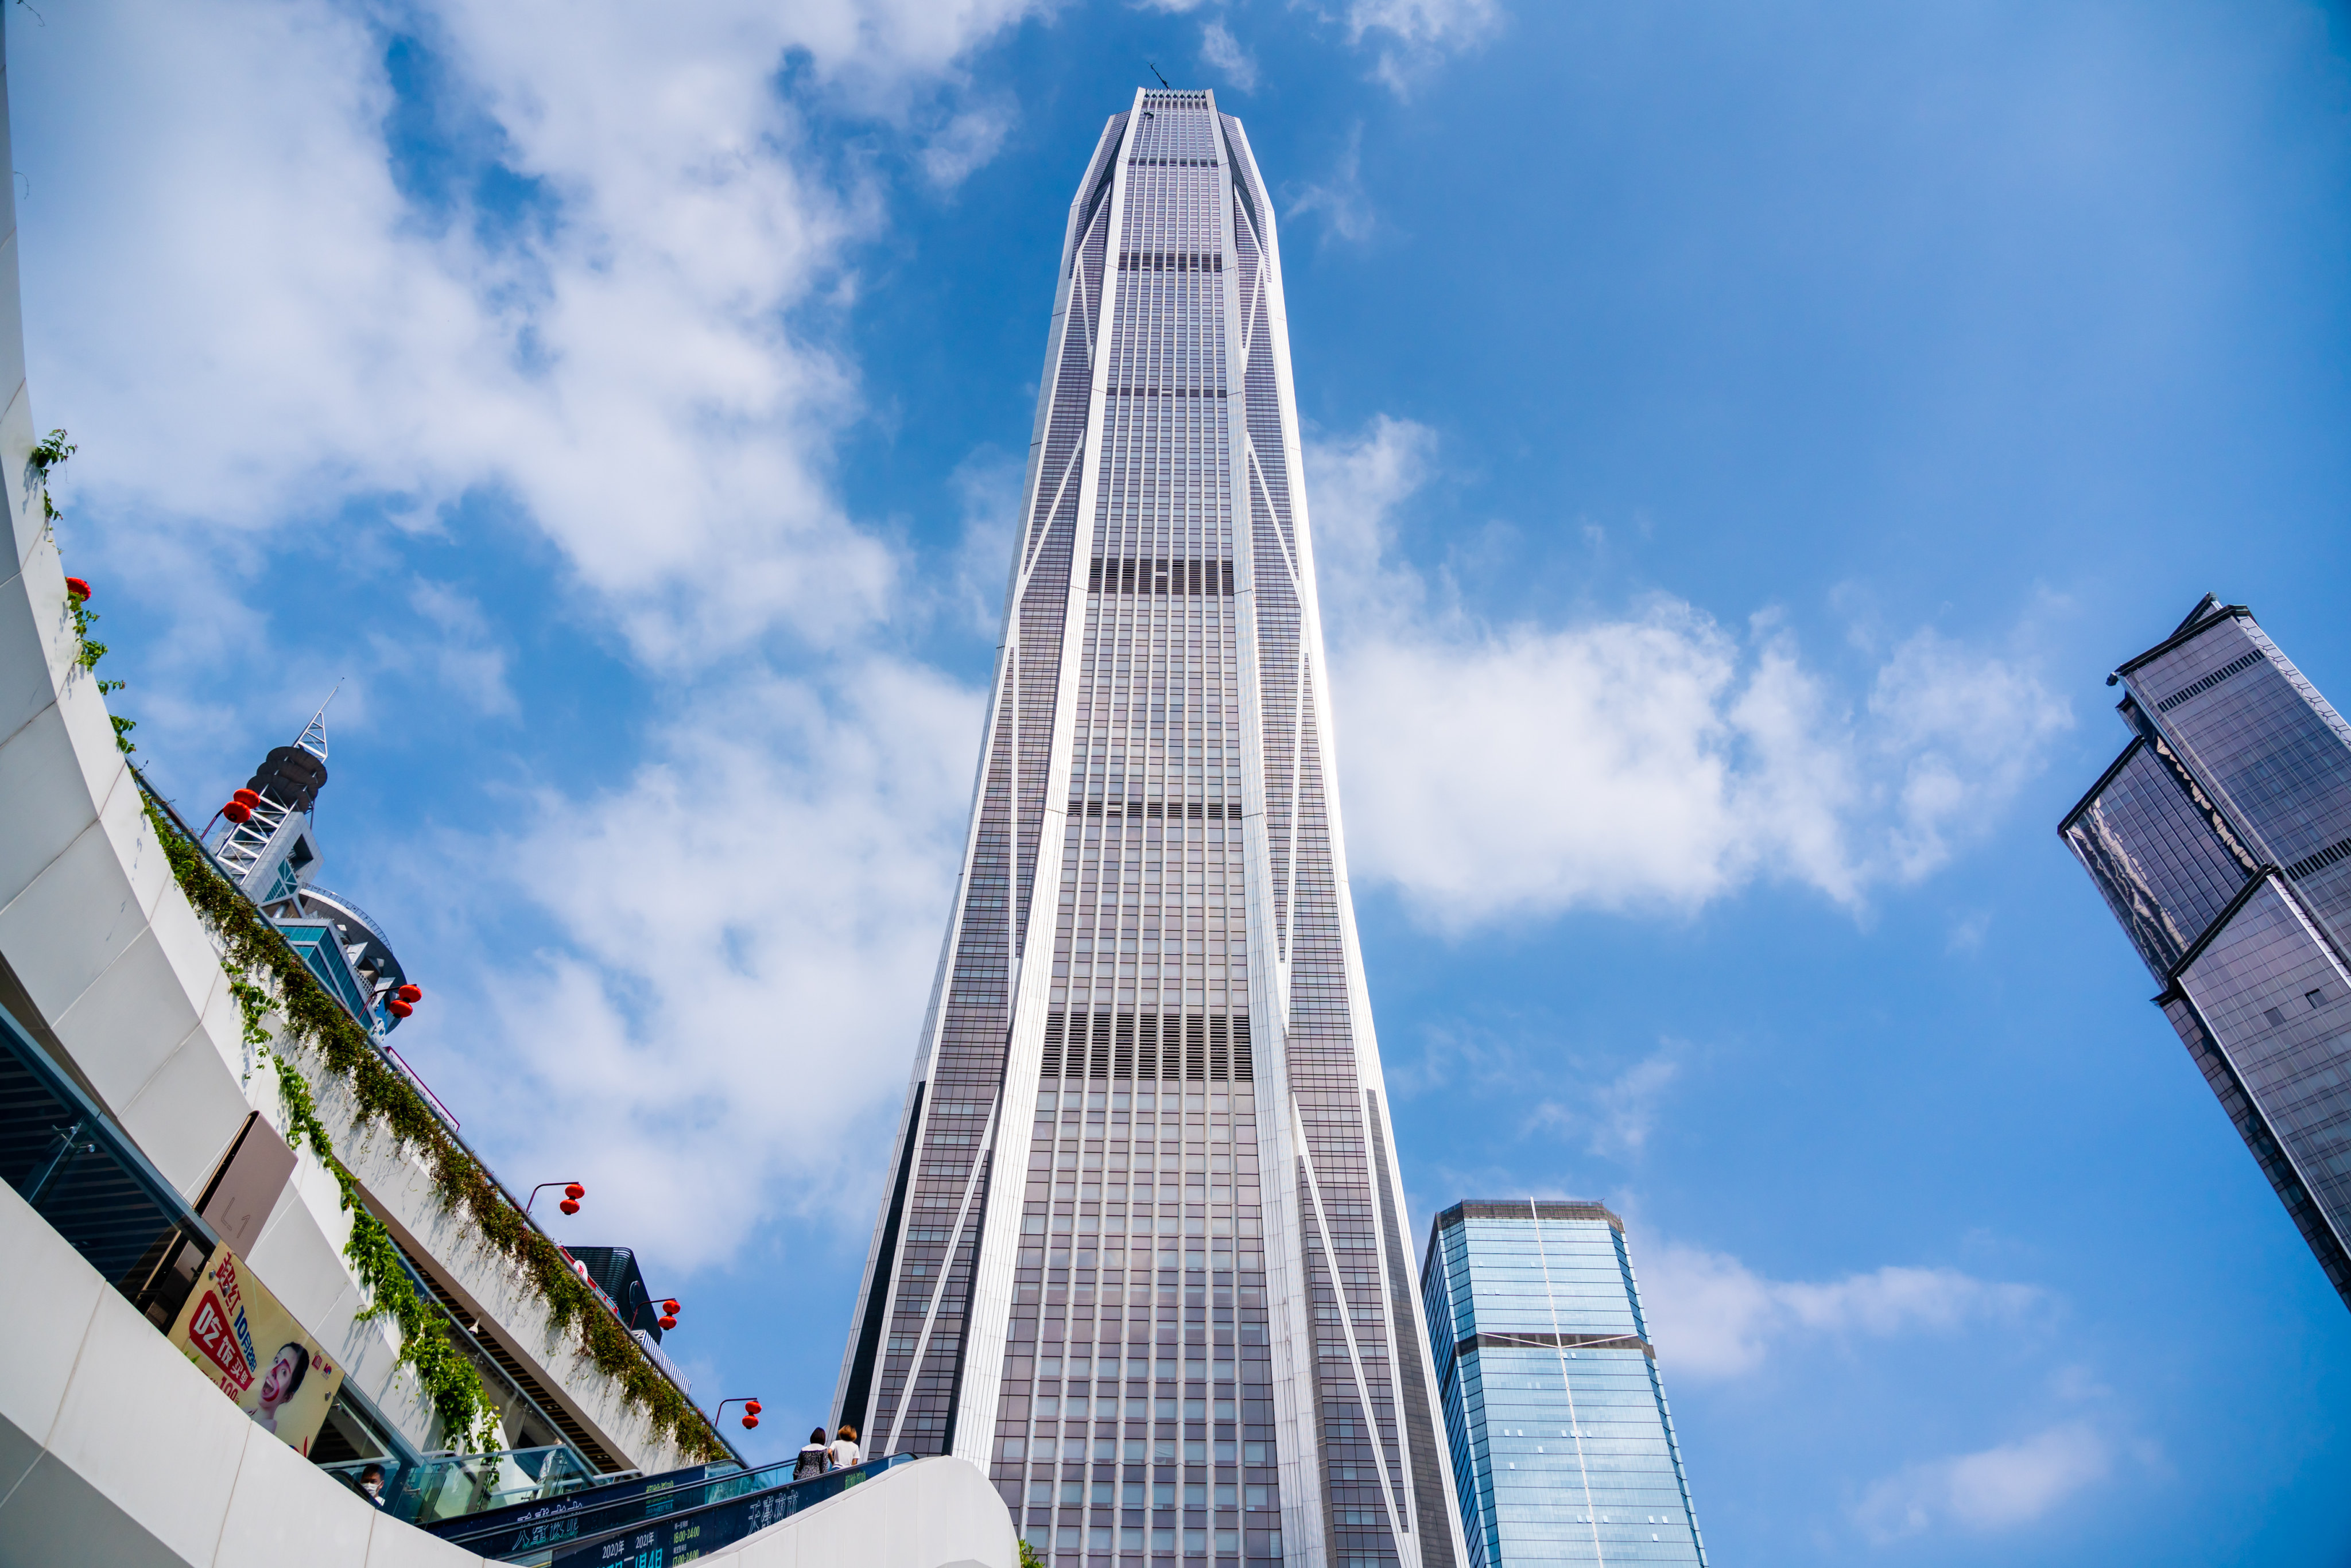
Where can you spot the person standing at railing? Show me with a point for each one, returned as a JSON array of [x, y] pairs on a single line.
[[846, 1454], [815, 1459]]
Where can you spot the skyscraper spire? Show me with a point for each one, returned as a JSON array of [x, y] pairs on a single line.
[[1143, 1242]]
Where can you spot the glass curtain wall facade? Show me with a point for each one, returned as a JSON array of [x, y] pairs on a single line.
[[2220, 839], [1562, 1447], [1144, 1251]]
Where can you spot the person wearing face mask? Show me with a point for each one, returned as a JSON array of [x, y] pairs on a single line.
[[371, 1484]]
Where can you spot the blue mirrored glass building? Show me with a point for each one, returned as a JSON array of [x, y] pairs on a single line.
[[1562, 1447], [2220, 839]]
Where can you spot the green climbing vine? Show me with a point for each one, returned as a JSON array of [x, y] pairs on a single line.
[[452, 1383], [46, 459], [50, 453], [252, 1005], [274, 978]]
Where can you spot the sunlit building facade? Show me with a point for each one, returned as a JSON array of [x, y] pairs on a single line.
[[1562, 1447], [2220, 839], [1143, 1250]]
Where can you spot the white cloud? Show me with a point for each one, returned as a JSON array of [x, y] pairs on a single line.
[[1997, 1489], [1339, 196], [1617, 1117], [1220, 51], [465, 656], [1961, 730], [1412, 36], [257, 322], [746, 934], [1714, 1317], [987, 484], [1654, 759], [637, 373], [966, 143], [1968, 932]]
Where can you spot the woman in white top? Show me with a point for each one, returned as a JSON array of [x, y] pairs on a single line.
[[845, 1451]]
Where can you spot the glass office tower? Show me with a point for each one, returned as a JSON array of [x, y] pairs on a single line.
[[2222, 840], [1144, 1252], [1563, 1449]]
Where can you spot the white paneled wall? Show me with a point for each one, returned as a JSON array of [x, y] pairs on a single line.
[[115, 1449]]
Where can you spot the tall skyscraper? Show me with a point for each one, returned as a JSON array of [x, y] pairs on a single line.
[[1144, 1251], [1563, 1451], [2222, 840]]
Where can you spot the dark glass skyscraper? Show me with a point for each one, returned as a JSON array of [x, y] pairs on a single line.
[[1563, 1449], [2222, 840], [1143, 1250]]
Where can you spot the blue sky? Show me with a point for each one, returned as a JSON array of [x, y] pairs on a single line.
[[1740, 440]]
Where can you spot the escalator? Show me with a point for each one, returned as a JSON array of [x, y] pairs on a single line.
[[666, 1519]]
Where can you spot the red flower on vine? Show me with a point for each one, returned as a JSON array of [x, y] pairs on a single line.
[[77, 588]]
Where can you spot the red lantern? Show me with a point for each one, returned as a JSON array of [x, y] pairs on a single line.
[[668, 1321], [672, 1309], [411, 993], [570, 1205], [237, 811], [248, 799], [77, 588], [752, 1405], [750, 1421], [398, 1008], [575, 1191]]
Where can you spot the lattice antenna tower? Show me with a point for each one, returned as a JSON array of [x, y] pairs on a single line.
[[284, 792], [313, 739]]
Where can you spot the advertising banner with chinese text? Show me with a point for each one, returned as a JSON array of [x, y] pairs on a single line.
[[254, 1350]]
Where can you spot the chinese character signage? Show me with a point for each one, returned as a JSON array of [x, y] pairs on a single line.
[[237, 1335]]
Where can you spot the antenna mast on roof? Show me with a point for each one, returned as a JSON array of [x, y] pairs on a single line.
[[313, 739], [1155, 71]]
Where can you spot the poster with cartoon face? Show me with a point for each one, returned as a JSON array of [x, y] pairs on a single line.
[[234, 1331]]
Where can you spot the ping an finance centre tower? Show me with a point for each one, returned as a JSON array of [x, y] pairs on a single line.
[[1142, 1252], [2222, 840]]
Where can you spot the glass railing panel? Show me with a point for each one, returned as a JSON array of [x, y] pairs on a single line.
[[595, 1513], [377, 1479], [654, 1493], [82, 1175], [451, 1485], [688, 1533], [444, 1487]]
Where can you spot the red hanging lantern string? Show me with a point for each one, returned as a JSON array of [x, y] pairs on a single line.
[[750, 1411], [669, 1308], [572, 1193]]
